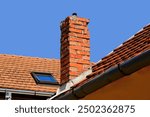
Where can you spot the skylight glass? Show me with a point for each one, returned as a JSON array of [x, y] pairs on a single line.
[[47, 78], [44, 78]]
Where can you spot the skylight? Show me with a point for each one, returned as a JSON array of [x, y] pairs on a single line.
[[44, 78]]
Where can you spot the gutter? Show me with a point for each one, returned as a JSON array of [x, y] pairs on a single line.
[[26, 92], [114, 73]]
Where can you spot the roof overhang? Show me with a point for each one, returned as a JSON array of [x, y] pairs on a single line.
[[126, 68]]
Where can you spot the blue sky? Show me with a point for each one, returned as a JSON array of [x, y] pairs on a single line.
[[31, 27]]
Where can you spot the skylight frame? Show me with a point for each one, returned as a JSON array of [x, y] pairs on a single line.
[[34, 75]]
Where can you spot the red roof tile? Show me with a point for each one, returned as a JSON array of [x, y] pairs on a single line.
[[139, 43], [15, 72]]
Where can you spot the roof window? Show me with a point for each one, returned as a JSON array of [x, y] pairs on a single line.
[[44, 78]]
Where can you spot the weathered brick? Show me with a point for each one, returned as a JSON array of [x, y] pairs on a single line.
[[75, 47]]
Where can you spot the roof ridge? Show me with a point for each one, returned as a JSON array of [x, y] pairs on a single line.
[[22, 56], [146, 25]]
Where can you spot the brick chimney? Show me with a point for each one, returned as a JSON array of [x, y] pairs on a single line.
[[75, 47]]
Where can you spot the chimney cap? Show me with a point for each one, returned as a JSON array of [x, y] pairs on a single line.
[[75, 14]]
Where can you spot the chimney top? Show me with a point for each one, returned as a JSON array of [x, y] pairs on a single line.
[[75, 14]]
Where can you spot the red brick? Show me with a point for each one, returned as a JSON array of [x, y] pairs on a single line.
[[76, 56], [78, 27], [75, 47], [73, 68], [73, 73], [74, 43], [83, 53], [86, 58], [75, 30], [80, 23], [84, 44]]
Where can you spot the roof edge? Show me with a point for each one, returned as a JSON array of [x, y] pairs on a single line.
[[116, 72], [23, 56], [27, 92]]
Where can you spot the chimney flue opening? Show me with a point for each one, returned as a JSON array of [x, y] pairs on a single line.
[[74, 14]]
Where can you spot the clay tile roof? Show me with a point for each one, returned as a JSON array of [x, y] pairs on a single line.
[[134, 46], [15, 72], [137, 44]]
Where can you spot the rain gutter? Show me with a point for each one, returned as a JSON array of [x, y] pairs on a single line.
[[114, 73], [26, 92]]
